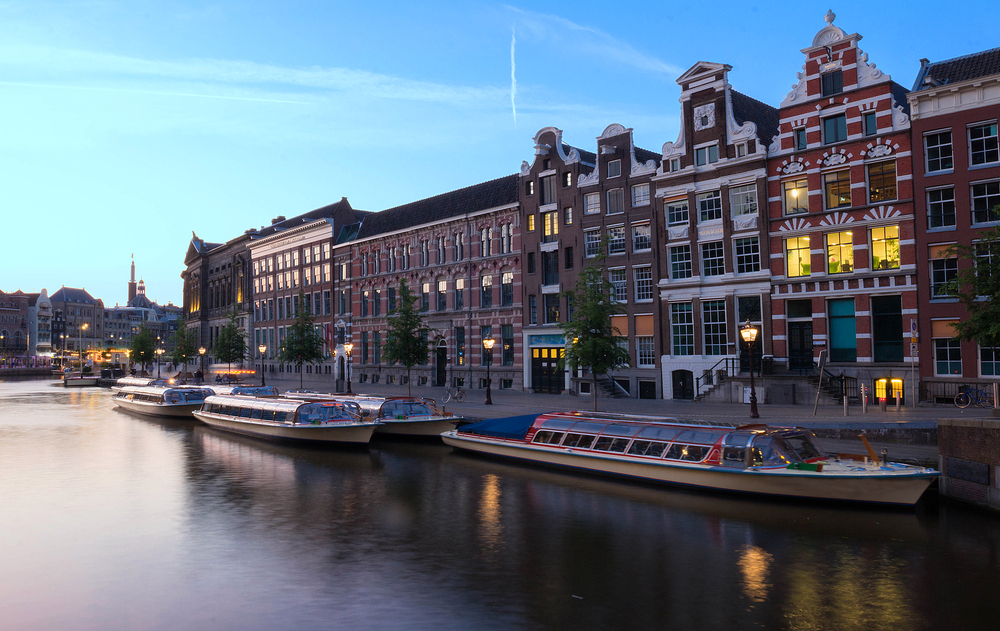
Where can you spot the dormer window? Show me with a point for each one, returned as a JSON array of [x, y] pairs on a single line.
[[833, 82], [614, 168]]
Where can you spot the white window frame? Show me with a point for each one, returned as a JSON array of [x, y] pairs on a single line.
[[951, 145], [618, 167], [592, 204], [649, 237], [643, 283], [743, 196], [618, 279], [640, 195]]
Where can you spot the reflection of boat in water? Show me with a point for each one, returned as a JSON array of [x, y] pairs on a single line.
[[397, 416], [758, 459], [287, 419], [178, 401]]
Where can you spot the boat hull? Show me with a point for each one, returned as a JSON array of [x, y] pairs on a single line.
[[181, 410], [428, 428], [79, 382], [354, 434], [903, 489]]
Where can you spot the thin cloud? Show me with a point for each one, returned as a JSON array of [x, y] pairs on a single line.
[[152, 92], [513, 78]]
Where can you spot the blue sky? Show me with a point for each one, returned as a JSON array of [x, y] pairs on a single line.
[[126, 125]]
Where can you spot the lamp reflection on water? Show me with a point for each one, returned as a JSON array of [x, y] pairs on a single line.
[[489, 511], [754, 564]]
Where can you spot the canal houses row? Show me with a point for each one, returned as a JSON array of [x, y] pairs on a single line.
[[814, 221]]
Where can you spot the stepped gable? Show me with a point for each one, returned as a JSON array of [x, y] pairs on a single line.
[[490, 194], [765, 117]]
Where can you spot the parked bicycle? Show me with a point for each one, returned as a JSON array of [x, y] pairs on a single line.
[[455, 393], [967, 396]]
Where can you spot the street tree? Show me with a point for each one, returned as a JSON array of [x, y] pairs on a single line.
[[303, 344], [185, 346], [406, 341], [977, 286], [142, 348], [231, 345], [594, 343]]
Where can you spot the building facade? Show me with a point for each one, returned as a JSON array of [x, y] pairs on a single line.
[[81, 318]]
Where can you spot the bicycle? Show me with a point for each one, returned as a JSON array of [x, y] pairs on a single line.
[[967, 396], [455, 393]]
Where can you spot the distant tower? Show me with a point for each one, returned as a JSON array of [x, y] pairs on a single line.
[[131, 283], [142, 288]]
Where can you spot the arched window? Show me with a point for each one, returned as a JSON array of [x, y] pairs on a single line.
[[506, 288], [486, 293]]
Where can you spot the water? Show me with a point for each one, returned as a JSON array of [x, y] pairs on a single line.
[[113, 521]]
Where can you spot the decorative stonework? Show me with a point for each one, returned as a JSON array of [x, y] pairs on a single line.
[[525, 168], [590, 179], [836, 219], [704, 116], [878, 150], [868, 74], [882, 212], [677, 232], [744, 222], [837, 157], [797, 165], [612, 130], [737, 133], [642, 168], [542, 149], [794, 225], [709, 232]]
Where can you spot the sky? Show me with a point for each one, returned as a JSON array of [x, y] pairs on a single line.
[[128, 125]]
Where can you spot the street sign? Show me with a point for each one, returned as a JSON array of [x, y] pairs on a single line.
[[914, 349]]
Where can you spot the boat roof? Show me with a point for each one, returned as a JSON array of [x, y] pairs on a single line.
[[139, 381], [158, 390]]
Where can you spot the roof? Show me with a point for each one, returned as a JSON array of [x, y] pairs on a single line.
[[899, 95], [319, 213], [587, 156], [70, 294], [645, 155], [963, 68], [747, 108], [473, 198]]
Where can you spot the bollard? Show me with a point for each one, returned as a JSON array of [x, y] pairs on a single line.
[[899, 395], [864, 399], [882, 404]]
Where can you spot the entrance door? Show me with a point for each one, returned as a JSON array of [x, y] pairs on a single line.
[[683, 381], [441, 375], [547, 376], [800, 345]]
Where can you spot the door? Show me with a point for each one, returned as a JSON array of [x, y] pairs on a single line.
[[800, 345], [547, 375], [441, 374], [683, 382], [647, 389]]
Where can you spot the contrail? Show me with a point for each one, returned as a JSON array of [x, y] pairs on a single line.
[[513, 79]]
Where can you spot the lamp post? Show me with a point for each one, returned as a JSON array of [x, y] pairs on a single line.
[[749, 334], [159, 353], [348, 347], [263, 349], [488, 345], [79, 339], [201, 351]]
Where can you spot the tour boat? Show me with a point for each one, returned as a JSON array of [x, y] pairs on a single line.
[[179, 401], [397, 416], [253, 391], [287, 419], [137, 381], [759, 459]]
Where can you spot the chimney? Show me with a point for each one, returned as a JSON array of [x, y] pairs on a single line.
[[277, 219]]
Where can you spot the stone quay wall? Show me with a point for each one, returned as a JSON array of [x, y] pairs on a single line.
[[970, 460]]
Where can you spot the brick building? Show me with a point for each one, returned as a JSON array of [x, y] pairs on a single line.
[[74, 308]]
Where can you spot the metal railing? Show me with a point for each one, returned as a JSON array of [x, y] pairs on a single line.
[[707, 377]]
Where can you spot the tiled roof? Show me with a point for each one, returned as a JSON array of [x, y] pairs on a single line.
[[645, 155], [587, 156], [964, 68], [899, 95], [766, 118], [70, 294], [465, 200], [312, 215]]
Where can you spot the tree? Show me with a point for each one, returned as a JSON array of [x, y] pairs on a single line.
[[142, 349], [405, 342], [595, 343], [303, 344], [231, 345], [185, 346], [977, 286]]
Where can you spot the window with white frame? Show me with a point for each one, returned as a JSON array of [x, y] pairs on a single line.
[[714, 322], [682, 328], [674, 164], [643, 283], [941, 207], [741, 149], [619, 287], [677, 212], [712, 259], [985, 199], [641, 238], [616, 240], [706, 155], [747, 255], [640, 195], [743, 199], [616, 201], [709, 206], [948, 357], [592, 242], [680, 262], [591, 203], [943, 271], [614, 168], [937, 149], [983, 144], [645, 351], [989, 361]]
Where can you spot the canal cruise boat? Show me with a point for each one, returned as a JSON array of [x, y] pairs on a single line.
[[252, 391], [396, 416], [137, 381], [758, 459], [287, 419], [173, 401]]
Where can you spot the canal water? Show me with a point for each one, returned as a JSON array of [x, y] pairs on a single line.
[[113, 521]]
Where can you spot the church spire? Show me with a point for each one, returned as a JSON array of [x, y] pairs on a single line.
[[131, 283]]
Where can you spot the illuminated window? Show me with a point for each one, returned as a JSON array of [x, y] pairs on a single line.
[[550, 226], [796, 196], [837, 189], [797, 256], [882, 181], [885, 247], [839, 252]]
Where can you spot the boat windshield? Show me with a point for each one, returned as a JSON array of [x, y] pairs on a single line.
[[802, 444], [322, 413]]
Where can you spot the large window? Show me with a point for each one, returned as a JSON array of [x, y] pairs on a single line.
[[714, 321], [548, 190], [706, 155], [550, 226], [835, 129], [985, 199], [840, 252], [797, 256], [680, 262], [843, 331], [459, 294], [640, 195], [983, 144], [743, 199], [507, 341], [425, 296], [882, 181], [616, 201], [747, 255], [712, 259], [616, 240], [645, 351], [643, 283], [989, 361], [682, 328], [677, 212], [532, 310], [486, 291], [641, 238], [948, 357], [937, 148], [506, 288], [837, 189], [796, 196], [709, 206], [885, 247], [943, 271], [459, 345], [941, 207], [592, 242], [485, 333], [832, 82], [550, 268], [619, 285], [591, 203], [442, 294], [551, 308]]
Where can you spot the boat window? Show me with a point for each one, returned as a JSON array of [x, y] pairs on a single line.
[[255, 413], [557, 424], [548, 438], [768, 452], [268, 415], [245, 412], [311, 414], [579, 441], [621, 430], [658, 433], [647, 448], [590, 428], [693, 453], [734, 456], [417, 409], [279, 417], [335, 412], [802, 444], [392, 410], [705, 437], [607, 443]]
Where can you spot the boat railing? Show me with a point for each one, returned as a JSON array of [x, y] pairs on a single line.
[[714, 375]]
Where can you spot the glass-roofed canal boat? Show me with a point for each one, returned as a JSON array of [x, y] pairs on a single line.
[[124, 382], [173, 401], [397, 416], [759, 459], [287, 419]]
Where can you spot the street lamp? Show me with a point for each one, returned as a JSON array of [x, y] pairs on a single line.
[[749, 334], [159, 353], [201, 351], [348, 347], [79, 338], [488, 345], [263, 349]]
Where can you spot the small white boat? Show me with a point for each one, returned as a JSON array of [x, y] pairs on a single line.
[[137, 381], [759, 459], [178, 401], [287, 419], [397, 416]]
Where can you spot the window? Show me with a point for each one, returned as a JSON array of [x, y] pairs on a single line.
[[550, 226], [567, 179], [882, 181], [531, 222], [835, 129], [885, 247], [937, 148], [941, 208], [675, 164], [640, 195], [943, 271], [837, 188], [747, 255], [591, 203], [677, 212], [832, 82], [592, 242], [796, 195], [641, 238], [887, 328], [531, 262], [616, 240], [843, 331], [741, 150], [706, 155], [682, 328], [839, 252], [425, 296], [568, 215], [616, 201], [365, 297], [619, 287], [486, 291], [871, 123], [425, 257], [506, 289], [983, 144], [364, 347], [985, 199], [797, 256], [680, 262], [989, 361], [459, 294], [948, 357], [568, 263], [506, 238], [485, 333], [377, 302], [645, 351], [710, 206], [550, 268], [614, 168], [459, 246], [391, 300], [714, 319], [507, 344], [442, 294], [529, 188], [486, 242], [799, 136], [551, 308], [712, 259], [643, 283], [548, 190], [532, 310], [743, 200]]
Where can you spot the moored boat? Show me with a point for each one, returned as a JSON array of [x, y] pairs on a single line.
[[178, 401], [397, 416], [287, 419], [758, 459], [137, 381], [79, 382], [252, 391]]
